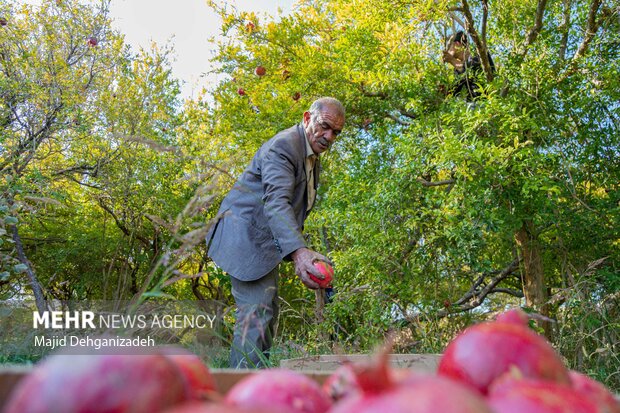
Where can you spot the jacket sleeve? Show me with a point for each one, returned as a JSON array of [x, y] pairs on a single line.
[[278, 176]]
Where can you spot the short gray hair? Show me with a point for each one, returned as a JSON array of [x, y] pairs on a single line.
[[320, 103]]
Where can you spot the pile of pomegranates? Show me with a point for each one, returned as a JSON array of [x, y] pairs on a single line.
[[495, 367]]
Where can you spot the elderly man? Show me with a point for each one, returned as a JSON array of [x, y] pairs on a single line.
[[261, 223]]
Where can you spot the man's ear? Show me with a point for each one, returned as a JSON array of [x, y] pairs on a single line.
[[307, 117]]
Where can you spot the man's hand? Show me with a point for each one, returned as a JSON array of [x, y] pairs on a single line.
[[448, 57], [304, 259]]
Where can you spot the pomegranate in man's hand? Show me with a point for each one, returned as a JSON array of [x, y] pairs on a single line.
[[327, 271]]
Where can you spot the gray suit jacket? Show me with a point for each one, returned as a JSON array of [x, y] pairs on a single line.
[[262, 216]]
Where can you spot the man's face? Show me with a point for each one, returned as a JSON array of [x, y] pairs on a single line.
[[323, 128], [457, 50]]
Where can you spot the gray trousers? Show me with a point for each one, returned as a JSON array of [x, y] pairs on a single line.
[[257, 320]]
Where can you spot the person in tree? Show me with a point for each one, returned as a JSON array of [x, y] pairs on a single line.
[[261, 221], [467, 67]]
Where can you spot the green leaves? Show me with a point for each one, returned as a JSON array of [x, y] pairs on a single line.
[[11, 220], [19, 268]]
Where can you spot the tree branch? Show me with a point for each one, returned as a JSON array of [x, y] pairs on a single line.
[[37, 290], [480, 290], [475, 296], [481, 44], [536, 28], [381, 95], [408, 114], [427, 183], [564, 30], [82, 169], [385, 96], [591, 29], [77, 181], [398, 120], [456, 18], [122, 225], [485, 17], [509, 291]]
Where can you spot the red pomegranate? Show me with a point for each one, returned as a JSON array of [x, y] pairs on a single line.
[[327, 271], [485, 351], [118, 383], [279, 388], [198, 380], [260, 71], [595, 391], [537, 396], [513, 316], [379, 388], [341, 383], [195, 407], [429, 394]]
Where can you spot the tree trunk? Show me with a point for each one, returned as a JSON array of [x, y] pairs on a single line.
[[319, 308], [34, 282], [533, 276], [319, 305]]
